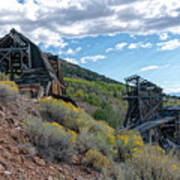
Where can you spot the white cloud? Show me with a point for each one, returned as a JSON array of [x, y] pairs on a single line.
[[68, 18], [71, 51], [163, 36], [78, 49], [172, 90], [133, 46], [48, 38], [149, 68], [118, 46], [92, 58], [146, 45], [152, 67], [140, 45], [72, 60], [109, 50], [169, 45]]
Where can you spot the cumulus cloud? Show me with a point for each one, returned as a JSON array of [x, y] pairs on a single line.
[[118, 46], [152, 67], [140, 45], [67, 18], [163, 36], [48, 38], [72, 60], [149, 68], [70, 51], [92, 58], [73, 52], [169, 45]]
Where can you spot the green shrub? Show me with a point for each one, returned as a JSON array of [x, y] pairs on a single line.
[[98, 132], [151, 162], [85, 141], [52, 143], [96, 141], [52, 111], [119, 172], [4, 77], [8, 93], [108, 114], [96, 160], [66, 114]]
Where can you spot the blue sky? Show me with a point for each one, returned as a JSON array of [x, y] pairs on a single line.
[[116, 38]]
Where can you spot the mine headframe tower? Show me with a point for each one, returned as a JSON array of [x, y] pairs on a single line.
[[146, 113]]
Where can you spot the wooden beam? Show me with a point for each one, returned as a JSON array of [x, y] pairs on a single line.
[[48, 88], [29, 85], [29, 71], [29, 56], [12, 49], [151, 124], [4, 56]]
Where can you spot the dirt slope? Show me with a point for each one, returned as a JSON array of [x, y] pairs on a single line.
[[18, 158]]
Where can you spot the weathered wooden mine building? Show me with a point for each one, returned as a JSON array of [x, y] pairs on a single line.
[[34, 71], [147, 114]]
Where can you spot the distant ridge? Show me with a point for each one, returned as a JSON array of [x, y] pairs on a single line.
[[75, 71], [175, 94]]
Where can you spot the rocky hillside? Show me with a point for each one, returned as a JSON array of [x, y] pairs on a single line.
[[19, 158], [49, 139]]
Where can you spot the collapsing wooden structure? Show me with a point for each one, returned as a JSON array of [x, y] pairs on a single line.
[[34, 71], [147, 115]]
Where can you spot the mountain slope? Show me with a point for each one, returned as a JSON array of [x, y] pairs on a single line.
[[19, 158], [75, 71]]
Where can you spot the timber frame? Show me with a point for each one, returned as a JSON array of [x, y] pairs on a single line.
[[146, 113], [35, 72]]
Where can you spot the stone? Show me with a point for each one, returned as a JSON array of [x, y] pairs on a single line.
[[13, 149], [7, 155], [2, 115], [39, 161], [7, 173], [2, 108], [50, 178], [60, 169], [2, 167]]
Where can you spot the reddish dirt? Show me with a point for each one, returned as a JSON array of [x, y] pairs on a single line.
[[18, 159]]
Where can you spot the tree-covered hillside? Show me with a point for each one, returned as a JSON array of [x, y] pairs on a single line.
[[102, 100], [72, 70], [100, 96]]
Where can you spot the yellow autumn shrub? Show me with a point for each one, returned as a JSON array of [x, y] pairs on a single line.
[[96, 160], [70, 133], [77, 120], [127, 141], [10, 84], [151, 162], [8, 92], [52, 141]]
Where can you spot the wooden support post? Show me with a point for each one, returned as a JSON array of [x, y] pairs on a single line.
[[178, 129], [29, 57], [40, 92], [48, 88]]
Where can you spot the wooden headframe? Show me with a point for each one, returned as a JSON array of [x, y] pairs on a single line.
[[31, 69]]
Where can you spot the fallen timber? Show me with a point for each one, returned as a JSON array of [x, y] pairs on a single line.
[[147, 115]]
